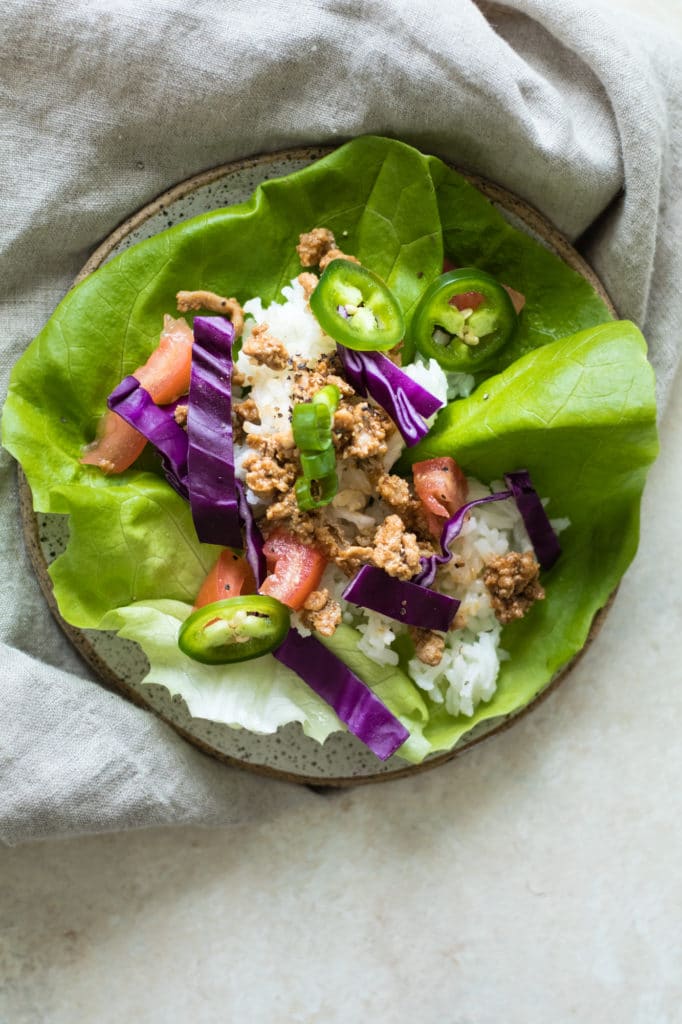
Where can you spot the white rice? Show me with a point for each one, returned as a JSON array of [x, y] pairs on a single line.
[[467, 673], [293, 323]]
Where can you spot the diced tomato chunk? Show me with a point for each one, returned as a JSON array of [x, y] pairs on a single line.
[[116, 446], [442, 489], [517, 298], [448, 265], [231, 576], [165, 376], [295, 568], [166, 373], [467, 300]]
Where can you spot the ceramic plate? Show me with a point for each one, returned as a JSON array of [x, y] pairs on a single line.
[[342, 760]]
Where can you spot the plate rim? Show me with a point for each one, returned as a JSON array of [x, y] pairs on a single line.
[[538, 224]]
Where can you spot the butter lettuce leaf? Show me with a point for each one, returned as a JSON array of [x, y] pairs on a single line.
[[377, 195], [559, 301], [262, 694], [571, 399], [387, 203], [580, 415], [131, 541]]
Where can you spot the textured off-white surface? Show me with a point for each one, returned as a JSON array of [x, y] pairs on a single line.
[[535, 880]]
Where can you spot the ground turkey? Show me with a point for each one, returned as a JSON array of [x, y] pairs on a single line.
[[514, 585], [187, 301], [321, 612], [428, 645], [395, 550], [318, 248], [265, 349]]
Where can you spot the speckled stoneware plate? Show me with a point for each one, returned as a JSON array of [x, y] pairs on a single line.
[[342, 760]]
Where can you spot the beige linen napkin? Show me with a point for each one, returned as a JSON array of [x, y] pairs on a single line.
[[105, 104]]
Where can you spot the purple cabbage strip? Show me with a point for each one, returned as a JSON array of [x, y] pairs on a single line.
[[451, 530], [403, 601], [134, 404], [253, 540], [540, 530], [405, 401], [212, 490], [355, 704]]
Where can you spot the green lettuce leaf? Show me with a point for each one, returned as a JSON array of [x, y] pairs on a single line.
[[263, 694], [559, 301], [578, 412], [131, 541], [580, 415], [387, 203], [260, 698], [376, 195]]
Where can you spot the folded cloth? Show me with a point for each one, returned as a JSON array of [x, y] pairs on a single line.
[[573, 106]]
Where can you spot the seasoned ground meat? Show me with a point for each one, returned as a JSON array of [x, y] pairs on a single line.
[[247, 411], [308, 283], [395, 491], [266, 473], [286, 510], [350, 559], [180, 415], [397, 494], [513, 582], [395, 550], [312, 246], [360, 430], [428, 645], [330, 540], [265, 349], [308, 378], [279, 446], [321, 612], [214, 304], [335, 254], [274, 464], [318, 248]]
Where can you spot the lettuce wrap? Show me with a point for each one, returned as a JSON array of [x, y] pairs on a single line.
[[571, 398]]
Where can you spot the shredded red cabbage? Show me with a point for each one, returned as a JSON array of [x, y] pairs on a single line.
[[410, 603], [405, 401], [542, 536], [253, 540], [451, 530], [212, 491], [134, 404], [540, 530], [355, 704]]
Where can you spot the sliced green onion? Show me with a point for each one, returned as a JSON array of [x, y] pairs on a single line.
[[312, 494], [329, 396], [318, 465], [312, 423]]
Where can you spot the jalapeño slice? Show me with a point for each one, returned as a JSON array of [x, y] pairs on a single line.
[[463, 319], [354, 307], [236, 629]]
